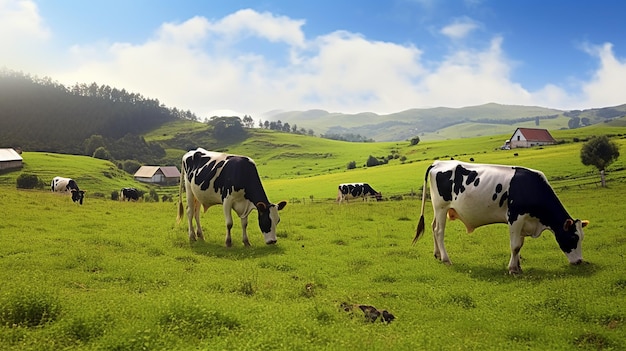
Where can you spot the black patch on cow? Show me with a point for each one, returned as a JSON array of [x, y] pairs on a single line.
[[446, 184], [505, 196], [498, 191], [531, 194]]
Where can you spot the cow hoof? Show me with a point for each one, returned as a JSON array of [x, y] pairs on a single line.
[[246, 243], [229, 243], [515, 271]]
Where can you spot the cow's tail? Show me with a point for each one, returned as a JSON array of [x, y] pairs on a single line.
[[420, 224], [181, 208]]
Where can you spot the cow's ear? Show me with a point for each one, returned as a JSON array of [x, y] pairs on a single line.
[[585, 223], [281, 205], [568, 224], [260, 206]]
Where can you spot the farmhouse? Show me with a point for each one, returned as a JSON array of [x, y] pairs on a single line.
[[529, 137], [10, 159], [164, 175]]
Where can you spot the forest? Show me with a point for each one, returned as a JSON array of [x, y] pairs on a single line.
[[39, 114]]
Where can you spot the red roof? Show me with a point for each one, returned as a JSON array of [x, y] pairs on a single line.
[[532, 134]]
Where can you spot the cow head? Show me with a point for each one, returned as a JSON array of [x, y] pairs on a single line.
[[268, 219], [570, 240], [78, 195]]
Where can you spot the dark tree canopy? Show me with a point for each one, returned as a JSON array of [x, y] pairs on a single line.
[[599, 152]]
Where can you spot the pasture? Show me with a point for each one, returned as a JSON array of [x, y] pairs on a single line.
[[114, 275]]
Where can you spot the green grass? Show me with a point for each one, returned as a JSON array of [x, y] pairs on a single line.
[[122, 276]]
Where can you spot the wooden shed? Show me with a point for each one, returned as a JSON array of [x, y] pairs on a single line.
[[164, 175], [10, 159], [529, 137]]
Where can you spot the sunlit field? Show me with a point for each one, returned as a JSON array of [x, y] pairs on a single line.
[[112, 275]]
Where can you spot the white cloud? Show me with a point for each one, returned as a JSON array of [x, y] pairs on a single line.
[[459, 28], [607, 87], [22, 33], [264, 25]]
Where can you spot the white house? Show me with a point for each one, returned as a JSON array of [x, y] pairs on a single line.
[[10, 159], [529, 137], [158, 174]]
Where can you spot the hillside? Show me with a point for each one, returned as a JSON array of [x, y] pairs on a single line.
[[431, 123]]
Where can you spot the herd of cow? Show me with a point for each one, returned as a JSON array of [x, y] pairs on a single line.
[[475, 194], [68, 185]]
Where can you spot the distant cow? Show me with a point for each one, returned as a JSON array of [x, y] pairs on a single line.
[[355, 190], [212, 178], [480, 194], [129, 194], [60, 184]]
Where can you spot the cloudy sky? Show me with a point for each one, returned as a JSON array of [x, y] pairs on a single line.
[[251, 57]]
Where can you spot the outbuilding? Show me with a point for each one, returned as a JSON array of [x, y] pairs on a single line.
[[529, 137], [10, 159], [164, 175]]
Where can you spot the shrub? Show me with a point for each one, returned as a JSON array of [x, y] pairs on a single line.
[[28, 309], [153, 196], [115, 195], [29, 181], [352, 165]]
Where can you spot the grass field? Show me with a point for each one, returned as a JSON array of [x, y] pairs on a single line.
[[114, 275]]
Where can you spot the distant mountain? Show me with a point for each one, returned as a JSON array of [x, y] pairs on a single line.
[[406, 124]]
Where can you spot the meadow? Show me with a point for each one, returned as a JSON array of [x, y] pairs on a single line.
[[112, 275]]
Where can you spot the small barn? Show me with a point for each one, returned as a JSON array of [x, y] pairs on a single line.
[[10, 159], [529, 137], [164, 175]]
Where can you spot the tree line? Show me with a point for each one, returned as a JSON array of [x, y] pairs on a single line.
[[38, 114]]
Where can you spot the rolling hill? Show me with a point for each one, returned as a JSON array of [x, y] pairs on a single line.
[[433, 123]]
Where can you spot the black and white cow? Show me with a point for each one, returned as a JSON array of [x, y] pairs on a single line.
[[355, 190], [480, 194], [212, 178], [60, 184], [129, 194]]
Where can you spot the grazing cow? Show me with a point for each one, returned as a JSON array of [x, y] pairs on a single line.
[[129, 194], [60, 184], [479, 194], [354, 190], [212, 178]]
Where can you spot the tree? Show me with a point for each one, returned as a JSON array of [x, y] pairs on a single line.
[[599, 152], [574, 123], [415, 140], [102, 153]]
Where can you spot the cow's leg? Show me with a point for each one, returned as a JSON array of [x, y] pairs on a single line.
[[191, 214], [439, 228], [196, 211], [517, 241], [244, 225], [228, 216]]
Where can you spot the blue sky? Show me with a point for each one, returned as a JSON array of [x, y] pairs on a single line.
[[250, 57]]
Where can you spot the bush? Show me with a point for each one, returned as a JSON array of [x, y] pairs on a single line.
[[29, 181], [28, 309], [115, 195], [153, 196], [352, 165]]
